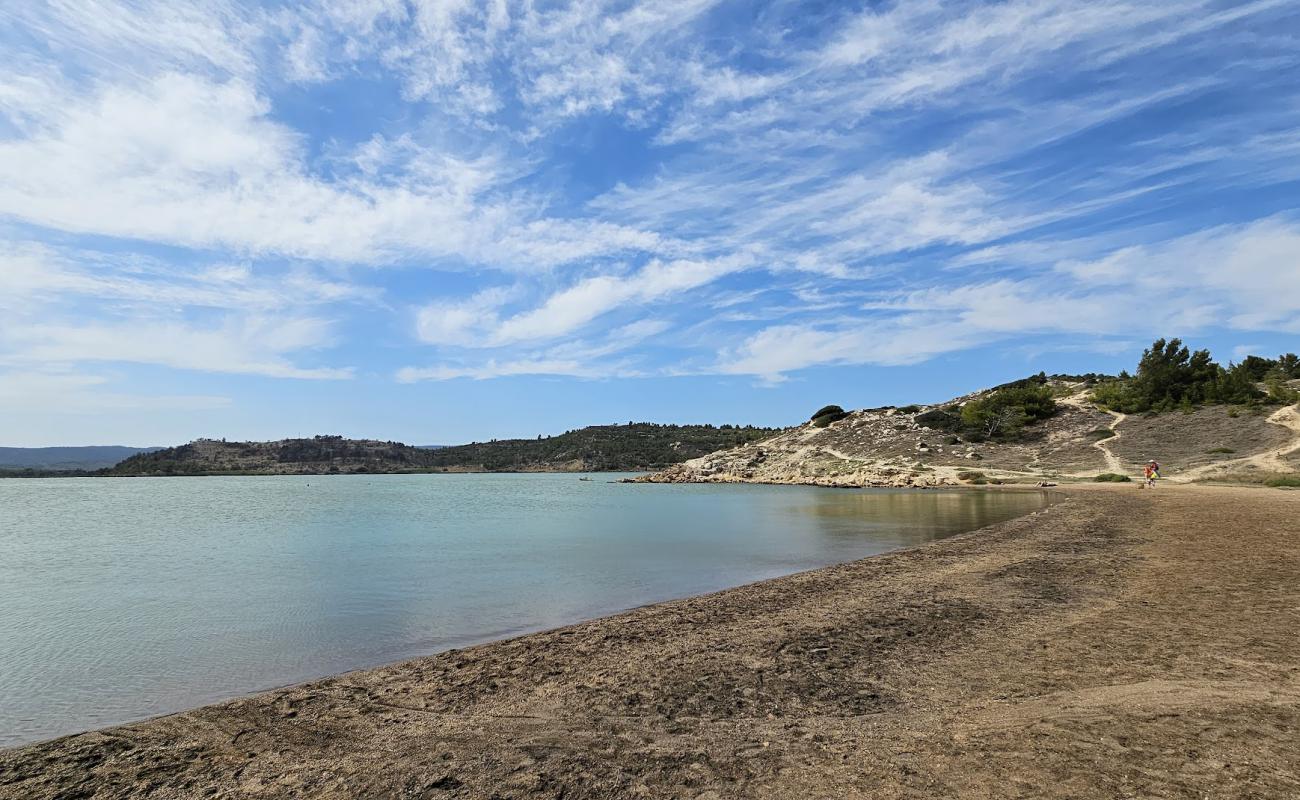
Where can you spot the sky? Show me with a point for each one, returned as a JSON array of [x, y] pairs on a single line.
[[439, 222]]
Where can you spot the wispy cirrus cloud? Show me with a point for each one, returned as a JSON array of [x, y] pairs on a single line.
[[27, 392], [590, 189], [243, 345], [1246, 277]]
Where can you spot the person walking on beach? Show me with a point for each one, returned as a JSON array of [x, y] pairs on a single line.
[[1152, 473]]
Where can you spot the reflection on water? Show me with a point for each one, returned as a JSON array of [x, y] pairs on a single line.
[[123, 598]]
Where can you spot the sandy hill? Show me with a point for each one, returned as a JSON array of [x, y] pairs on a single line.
[[900, 447]]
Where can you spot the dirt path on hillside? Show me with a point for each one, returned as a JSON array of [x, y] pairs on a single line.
[[1269, 461], [1118, 644], [1113, 462]]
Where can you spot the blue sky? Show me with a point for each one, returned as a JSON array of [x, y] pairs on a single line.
[[441, 222]]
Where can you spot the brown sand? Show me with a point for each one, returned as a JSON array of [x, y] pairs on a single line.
[[1121, 643]]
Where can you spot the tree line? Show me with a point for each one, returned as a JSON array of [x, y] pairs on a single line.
[[1171, 376]]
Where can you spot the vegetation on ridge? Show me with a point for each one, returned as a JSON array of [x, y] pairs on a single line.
[[601, 448], [634, 446], [1002, 413], [1170, 376], [828, 414]]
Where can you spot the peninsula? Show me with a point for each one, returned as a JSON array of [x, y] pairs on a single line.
[[599, 448]]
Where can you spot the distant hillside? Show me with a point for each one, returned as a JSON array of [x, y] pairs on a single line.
[[639, 446], [66, 458], [634, 446]]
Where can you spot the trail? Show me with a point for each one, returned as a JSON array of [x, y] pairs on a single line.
[[1268, 461], [1113, 462]]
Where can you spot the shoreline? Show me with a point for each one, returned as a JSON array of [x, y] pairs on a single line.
[[591, 613], [957, 666]]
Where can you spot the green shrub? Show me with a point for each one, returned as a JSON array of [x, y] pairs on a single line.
[[1281, 481], [1101, 434], [970, 476], [828, 414], [1169, 377], [1112, 477], [825, 410], [946, 419], [1003, 412], [1279, 392], [1216, 450], [1110, 394], [912, 409]]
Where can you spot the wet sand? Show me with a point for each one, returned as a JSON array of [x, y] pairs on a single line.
[[1121, 643]]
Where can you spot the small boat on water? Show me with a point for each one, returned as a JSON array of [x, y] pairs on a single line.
[[584, 479]]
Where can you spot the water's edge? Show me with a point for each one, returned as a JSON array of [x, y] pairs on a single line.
[[1050, 499]]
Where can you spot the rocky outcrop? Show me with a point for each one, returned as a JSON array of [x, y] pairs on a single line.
[[882, 447]]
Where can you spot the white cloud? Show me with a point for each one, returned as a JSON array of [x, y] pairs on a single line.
[[466, 323], [1243, 277], [579, 358], [189, 161], [927, 151], [499, 369], [1242, 350], [305, 58], [36, 392], [574, 307], [478, 321], [247, 345], [145, 35], [33, 275]]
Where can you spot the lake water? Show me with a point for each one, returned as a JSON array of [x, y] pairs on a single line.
[[126, 598]]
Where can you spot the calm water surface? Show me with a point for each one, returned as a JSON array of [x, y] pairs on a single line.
[[125, 598]]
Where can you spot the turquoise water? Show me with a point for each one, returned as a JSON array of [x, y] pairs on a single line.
[[126, 598]]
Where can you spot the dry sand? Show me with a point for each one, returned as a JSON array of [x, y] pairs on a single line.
[[1121, 643]]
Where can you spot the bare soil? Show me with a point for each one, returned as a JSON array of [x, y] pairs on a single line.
[[1120, 643], [1182, 441]]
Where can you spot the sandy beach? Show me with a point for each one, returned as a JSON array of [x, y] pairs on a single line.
[[1120, 643]]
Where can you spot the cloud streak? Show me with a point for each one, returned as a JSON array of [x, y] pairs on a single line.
[[433, 191]]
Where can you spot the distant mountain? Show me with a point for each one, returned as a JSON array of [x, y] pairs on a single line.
[[66, 458], [631, 447]]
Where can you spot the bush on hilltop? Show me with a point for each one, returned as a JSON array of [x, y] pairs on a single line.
[[1170, 376], [828, 414], [1004, 412]]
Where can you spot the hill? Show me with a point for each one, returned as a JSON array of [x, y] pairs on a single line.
[[630, 447], [66, 458], [609, 448], [1199, 419], [924, 446]]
